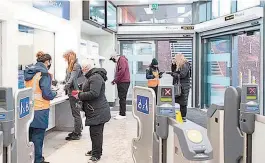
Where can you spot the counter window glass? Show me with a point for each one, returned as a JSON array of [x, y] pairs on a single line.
[[97, 11], [163, 14], [30, 41], [111, 16], [243, 4]]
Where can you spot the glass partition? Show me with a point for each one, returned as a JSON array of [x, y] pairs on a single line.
[[164, 14], [111, 16], [30, 41]]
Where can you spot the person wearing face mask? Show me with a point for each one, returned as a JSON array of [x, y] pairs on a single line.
[[153, 75], [122, 79], [73, 72], [95, 106], [39, 79]]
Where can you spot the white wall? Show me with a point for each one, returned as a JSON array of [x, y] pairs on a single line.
[[106, 49], [67, 36]]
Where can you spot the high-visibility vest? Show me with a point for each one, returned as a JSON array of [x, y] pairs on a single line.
[[154, 82], [39, 102]]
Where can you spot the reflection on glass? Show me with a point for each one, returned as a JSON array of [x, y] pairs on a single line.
[[142, 66], [171, 14], [97, 11], [218, 73], [243, 4], [112, 16]]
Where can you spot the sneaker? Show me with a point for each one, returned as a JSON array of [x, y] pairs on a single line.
[[119, 117], [184, 119], [89, 153], [93, 160], [44, 161], [74, 136], [72, 133]]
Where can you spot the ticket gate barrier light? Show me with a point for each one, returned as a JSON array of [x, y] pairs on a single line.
[[170, 141], [16, 114], [228, 122]]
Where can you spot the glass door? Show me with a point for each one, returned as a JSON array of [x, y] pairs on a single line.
[[217, 68], [139, 55]]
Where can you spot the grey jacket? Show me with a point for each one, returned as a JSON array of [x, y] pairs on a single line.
[[95, 104], [71, 78]]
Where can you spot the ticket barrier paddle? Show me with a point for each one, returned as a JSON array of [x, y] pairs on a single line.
[[170, 142]]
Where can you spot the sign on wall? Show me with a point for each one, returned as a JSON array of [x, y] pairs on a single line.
[[60, 8]]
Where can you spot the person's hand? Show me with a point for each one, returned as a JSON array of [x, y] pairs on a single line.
[[113, 82], [75, 93]]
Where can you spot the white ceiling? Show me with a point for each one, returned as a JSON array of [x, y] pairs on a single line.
[[92, 30], [139, 2]]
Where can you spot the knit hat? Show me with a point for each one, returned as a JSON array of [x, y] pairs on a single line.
[[154, 62]]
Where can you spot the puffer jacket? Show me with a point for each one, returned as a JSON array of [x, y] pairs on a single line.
[[184, 74], [95, 104]]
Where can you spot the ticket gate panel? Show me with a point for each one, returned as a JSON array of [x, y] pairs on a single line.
[[191, 143], [144, 112], [215, 130], [258, 142], [24, 116], [170, 144], [1, 147]]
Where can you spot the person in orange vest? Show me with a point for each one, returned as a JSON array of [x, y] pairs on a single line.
[[153, 75], [40, 80]]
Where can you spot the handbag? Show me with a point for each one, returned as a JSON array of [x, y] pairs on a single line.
[[177, 87]]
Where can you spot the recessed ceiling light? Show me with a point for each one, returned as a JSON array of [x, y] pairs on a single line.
[[148, 11], [181, 10]]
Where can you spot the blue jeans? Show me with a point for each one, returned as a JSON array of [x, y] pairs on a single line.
[[36, 135]]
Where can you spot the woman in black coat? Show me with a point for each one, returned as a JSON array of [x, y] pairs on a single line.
[[181, 72], [95, 106]]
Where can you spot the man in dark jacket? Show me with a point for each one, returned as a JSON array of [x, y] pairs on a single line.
[[122, 79], [95, 106]]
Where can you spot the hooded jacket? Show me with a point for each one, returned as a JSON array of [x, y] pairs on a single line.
[[122, 74], [41, 117], [95, 104]]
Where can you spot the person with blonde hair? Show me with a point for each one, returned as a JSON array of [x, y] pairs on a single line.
[[181, 72], [95, 106], [39, 79], [73, 72]]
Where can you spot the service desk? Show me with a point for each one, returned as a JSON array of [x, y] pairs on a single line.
[[61, 118]]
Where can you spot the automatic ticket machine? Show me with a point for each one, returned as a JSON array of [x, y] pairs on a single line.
[[15, 116], [160, 139], [230, 125]]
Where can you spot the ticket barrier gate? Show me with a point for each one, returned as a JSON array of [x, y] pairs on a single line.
[[160, 139], [230, 125], [15, 117]]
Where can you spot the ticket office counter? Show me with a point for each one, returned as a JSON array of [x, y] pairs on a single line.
[[61, 118]]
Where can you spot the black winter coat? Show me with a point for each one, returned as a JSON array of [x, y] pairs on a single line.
[[95, 104], [184, 74]]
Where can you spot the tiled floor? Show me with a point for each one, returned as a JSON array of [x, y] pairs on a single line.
[[117, 144]]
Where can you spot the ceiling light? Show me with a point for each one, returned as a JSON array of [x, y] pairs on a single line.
[[181, 20], [181, 10], [148, 11]]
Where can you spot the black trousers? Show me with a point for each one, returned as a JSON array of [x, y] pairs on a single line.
[[183, 110], [78, 125], [96, 135], [155, 89], [122, 94]]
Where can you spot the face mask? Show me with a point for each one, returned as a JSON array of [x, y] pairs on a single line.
[[49, 66]]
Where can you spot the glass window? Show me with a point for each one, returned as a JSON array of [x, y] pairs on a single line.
[[243, 4], [203, 12], [97, 11], [111, 16], [171, 14], [221, 8], [31, 41]]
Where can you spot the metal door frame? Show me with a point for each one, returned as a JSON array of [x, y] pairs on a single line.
[[170, 37], [253, 25]]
